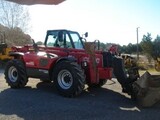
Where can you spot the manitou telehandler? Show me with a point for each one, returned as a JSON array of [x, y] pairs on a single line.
[[70, 62], [66, 60]]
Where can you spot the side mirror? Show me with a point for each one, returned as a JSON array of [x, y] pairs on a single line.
[[86, 34]]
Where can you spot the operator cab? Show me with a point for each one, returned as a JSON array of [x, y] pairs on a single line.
[[63, 39]]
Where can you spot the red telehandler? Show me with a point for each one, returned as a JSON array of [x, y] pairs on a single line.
[[71, 63], [68, 61]]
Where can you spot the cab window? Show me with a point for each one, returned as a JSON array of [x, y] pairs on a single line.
[[76, 40]]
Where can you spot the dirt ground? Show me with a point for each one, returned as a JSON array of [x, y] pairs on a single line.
[[40, 101]]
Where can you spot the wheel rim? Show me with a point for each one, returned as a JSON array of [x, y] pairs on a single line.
[[65, 79], [13, 74]]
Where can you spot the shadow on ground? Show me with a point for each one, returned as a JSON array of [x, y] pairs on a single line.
[[43, 103]]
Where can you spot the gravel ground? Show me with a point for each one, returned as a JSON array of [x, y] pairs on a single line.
[[40, 101]]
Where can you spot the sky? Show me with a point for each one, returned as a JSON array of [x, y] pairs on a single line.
[[110, 21]]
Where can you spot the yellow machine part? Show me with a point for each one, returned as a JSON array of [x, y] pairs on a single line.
[[157, 64], [129, 61], [5, 56]]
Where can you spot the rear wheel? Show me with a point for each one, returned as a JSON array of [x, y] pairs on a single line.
[[69, 78], [15, 74]]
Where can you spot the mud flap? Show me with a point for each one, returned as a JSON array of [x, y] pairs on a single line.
[[147, 89]]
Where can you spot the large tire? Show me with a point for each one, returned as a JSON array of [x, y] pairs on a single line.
[[69, 78], [15, 74]]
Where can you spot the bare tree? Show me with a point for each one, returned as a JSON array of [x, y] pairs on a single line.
[[14, 19], [14, 15]]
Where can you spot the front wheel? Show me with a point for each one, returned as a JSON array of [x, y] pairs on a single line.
[[69, 78], [15, 74]]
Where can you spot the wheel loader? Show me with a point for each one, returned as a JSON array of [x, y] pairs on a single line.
[[70, 62]]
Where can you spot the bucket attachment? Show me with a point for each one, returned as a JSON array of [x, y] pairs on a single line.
[[147, 89]]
